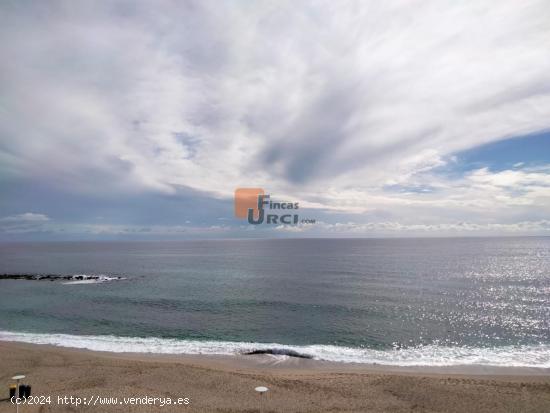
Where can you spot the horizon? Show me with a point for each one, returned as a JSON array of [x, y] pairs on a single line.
[[295, 238]]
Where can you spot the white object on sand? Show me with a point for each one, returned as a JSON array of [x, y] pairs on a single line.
[[18, 377]]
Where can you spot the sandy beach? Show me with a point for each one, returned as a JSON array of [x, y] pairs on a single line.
[[226, 384]]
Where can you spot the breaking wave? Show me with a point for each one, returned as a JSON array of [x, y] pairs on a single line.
[[428, 355]]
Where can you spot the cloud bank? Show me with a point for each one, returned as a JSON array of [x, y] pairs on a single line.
[[351, 108]]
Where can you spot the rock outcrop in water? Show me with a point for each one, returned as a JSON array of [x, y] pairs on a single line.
[[56, 277], [279, 352]]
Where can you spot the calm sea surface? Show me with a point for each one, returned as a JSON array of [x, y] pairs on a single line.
[[394, 301]]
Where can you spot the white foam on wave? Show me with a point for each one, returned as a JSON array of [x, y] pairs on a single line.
[[429, 355], [91, 279]]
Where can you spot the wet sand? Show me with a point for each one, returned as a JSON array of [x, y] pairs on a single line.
[[226, 384]]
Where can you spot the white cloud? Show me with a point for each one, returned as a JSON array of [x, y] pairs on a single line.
[[23, 223], [341, 92], [26, 217], [541, 227], [322, 102]]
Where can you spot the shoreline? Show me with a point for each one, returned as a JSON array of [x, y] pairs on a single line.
[[521, 359], [273, 363], [226, 383]]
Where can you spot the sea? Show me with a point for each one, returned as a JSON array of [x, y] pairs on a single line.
[[398, 302]]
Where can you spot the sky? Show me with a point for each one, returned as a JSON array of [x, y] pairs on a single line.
[[138, 120]]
